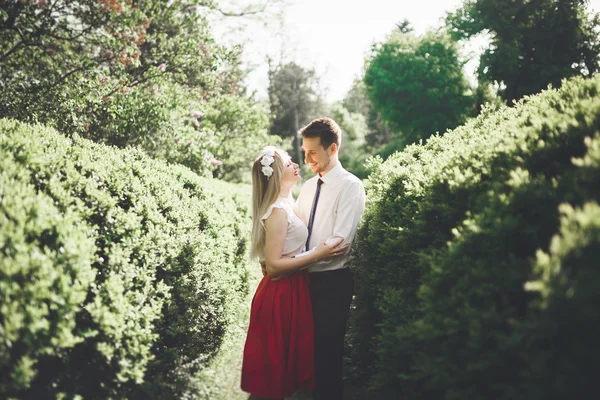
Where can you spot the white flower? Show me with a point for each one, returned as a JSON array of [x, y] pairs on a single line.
[[269, 151], [268, 171], [267, 160]]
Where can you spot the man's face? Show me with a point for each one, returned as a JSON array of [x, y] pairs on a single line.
[[316, 156]]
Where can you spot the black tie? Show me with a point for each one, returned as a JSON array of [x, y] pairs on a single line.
[[313, 210]]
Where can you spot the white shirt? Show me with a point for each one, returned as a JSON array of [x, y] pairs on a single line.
[[340, 208]]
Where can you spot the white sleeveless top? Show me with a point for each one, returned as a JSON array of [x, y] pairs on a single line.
[[297, 233]]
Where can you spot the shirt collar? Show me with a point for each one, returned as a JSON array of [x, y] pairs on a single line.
[[332, 174]]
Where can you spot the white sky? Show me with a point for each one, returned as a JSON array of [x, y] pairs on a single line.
[[333, 36]]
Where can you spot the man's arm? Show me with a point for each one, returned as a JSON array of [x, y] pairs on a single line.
[[276, 263], [349, 210]]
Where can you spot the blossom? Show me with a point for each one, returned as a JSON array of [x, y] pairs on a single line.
[[267, 160], [197, 114], [162, 67], [196, 122], [267, 171], [103, 79], [269, 151], [216, 162]]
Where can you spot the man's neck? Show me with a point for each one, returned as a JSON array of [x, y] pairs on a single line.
[[332, 164]]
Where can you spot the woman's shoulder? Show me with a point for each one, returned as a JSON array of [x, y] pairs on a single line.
[[280, 204]]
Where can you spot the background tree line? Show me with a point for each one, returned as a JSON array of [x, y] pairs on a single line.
[[414, 86], [150, 73], [145, 73]]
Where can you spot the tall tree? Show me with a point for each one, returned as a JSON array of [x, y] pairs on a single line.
[[294, 97], [357, 101], [417, 84], [59, 55], [147, 73], [534, 43]]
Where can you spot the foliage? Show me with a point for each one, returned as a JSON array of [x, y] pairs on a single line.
[[353, 152], [477, 258], [417, 84], [127, 74], [534, 43], [241, 133], [357, 101], [120, 274], [294, 98]]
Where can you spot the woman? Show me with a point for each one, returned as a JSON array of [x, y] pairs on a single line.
[[278, 355]]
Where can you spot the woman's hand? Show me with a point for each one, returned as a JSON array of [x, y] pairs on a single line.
[[332, 249], [272, 274]]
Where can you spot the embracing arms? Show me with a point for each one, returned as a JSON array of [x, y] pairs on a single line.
[[276, 264]]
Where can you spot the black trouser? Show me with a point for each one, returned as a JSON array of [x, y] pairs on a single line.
[[331, 294]]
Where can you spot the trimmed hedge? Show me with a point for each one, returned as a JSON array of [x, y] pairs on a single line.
[[119, 274], [477, 261]]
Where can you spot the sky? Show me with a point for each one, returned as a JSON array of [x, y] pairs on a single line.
[[332, 36]]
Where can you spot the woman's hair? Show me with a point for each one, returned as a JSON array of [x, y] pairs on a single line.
[[265, 190]]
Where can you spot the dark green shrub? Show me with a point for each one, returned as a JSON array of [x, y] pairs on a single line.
[[166, 249], [449, 240]]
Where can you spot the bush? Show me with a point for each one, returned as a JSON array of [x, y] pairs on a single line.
[[449, 241], [120, 274]]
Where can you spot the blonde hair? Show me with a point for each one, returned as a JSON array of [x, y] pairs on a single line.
[[265, 190]]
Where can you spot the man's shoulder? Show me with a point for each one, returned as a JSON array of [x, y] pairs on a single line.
[[350, 179]]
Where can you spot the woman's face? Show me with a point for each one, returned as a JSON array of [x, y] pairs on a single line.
[[290, 170]]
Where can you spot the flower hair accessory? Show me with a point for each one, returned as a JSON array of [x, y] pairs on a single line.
[[267, 159]]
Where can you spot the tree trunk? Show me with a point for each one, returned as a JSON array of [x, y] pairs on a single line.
[[297, 142]]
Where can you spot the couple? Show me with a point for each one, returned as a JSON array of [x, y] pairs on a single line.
[[299, 312]]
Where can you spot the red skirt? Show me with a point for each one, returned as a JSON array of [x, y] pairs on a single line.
[[279, 350]]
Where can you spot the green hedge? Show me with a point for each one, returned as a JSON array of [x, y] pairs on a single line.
[[119, 274], [477, 262]]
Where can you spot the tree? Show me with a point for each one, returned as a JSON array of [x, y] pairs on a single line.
[[143, 73], [48, 47], [534, 43], [353, 151], [417, 85], [294, 98], [357, 101]]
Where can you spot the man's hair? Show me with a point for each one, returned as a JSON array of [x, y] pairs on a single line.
[[324, 128]]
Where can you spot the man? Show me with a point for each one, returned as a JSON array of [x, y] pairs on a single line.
[[331, 204]]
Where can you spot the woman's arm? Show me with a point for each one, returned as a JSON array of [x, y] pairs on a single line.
[[276, 228]]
